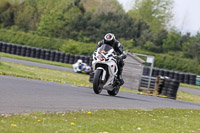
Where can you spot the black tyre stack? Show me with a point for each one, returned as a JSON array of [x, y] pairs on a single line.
[[23, 51], [62, 56], [18, 50], [146, 71], [155, 72], [161, 72], [13, 49], [33, 53], [192, 79], [165, 87], [3, 47], [186, 78], [52, 55], [66, 58], [0, 46], [170, 88], [8, 48], [176, 75], [71, 59], [47, 54], [160, 84], [76, 57], [28, 51], [171, 74], [42, 54], [57, 56], [181, 77], [37, 53]]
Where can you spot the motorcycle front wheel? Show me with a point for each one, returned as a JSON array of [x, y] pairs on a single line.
[[97, 83], [114, 92]]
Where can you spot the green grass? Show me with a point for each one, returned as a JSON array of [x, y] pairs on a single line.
[[19, 70], [104, 121], [190, 86], [184, 96], [35, 60]]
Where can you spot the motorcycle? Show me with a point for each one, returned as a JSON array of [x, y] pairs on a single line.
[[105, 70]]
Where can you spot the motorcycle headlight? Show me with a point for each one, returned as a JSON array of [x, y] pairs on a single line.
[[101, 57]]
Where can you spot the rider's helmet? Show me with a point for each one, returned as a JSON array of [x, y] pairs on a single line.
[[79, 62], [109, 39]]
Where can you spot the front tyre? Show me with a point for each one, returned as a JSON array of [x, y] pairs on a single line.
[[114, 92], [97, 83]]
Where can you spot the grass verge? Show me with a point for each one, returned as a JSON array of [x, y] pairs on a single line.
[[190, 86], [104, 121], [35, 60], [19, 70], [184, 96]]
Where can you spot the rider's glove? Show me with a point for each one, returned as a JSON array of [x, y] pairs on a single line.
[[121, 57]]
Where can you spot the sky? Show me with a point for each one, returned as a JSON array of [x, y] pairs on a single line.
[[186, 14]]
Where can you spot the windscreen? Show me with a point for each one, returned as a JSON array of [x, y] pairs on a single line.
[[105, 48]]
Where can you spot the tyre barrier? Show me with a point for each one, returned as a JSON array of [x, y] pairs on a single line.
[[166, 86], [13, 49], [71, 59], [181, 77], [57, 56], [8, 48], [33, 51], [18, 50], [47, 55], [66, 58], [41, 53], [23, 51], [52, 55], [62, 55]]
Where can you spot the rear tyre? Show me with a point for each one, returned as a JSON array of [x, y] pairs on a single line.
[[114, 92], [97, 84]]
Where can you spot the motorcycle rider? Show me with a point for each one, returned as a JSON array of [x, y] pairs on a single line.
[[78, 66], [109, 39]]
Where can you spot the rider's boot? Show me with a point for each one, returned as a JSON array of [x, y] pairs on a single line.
[[120, 76], [121, 80]]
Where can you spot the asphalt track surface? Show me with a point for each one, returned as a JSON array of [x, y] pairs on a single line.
[[20, 95], [30, 63]]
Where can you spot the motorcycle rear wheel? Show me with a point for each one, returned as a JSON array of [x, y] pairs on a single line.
[[97, 85]]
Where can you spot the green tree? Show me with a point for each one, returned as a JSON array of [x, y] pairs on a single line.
[[172, 43], [157, 13], [7, 10], [52, 19]]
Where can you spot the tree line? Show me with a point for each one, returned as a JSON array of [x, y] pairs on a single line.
[[85, 22]]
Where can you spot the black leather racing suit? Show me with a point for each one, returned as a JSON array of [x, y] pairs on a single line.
[[119, 50]]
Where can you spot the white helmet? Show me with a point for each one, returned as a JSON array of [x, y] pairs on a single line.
[[79, 61]]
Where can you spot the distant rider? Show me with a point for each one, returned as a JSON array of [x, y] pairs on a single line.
[[79, 66], [110, 40]]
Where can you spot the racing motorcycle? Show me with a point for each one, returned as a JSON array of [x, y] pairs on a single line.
[[105, 70]]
